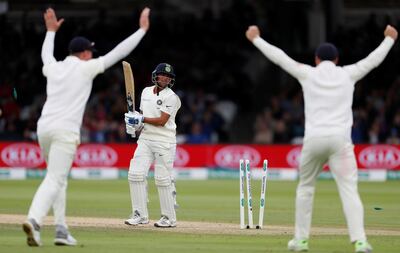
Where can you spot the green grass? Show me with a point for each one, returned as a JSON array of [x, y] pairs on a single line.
[[211, 201]]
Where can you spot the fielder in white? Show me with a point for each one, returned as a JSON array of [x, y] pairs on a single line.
[[156, 144], [328, 97], [69, 83]]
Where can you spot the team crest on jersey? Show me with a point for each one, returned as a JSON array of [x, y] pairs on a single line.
[[159, 102]]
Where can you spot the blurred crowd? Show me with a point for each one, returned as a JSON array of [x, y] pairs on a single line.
[[376, 103], [376, 116], [211, 57]]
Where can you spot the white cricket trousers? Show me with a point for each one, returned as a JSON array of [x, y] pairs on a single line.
[[339, 154], [59, 149], [162, 155]]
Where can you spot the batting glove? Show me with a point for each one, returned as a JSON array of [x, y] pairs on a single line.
[[131, 130], [134, 119]]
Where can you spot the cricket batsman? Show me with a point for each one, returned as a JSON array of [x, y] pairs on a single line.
[[156, 144]]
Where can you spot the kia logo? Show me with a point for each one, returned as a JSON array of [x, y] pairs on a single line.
[[95, 155], [229, 156], [181, 157], [22, 155], [380, 156], [293, 157]]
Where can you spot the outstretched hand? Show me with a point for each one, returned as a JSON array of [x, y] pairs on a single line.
[[50, 18], [391, 32], [252, 32], [144, 21]]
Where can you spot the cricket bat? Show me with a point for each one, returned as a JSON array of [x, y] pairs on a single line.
[[129, 86]]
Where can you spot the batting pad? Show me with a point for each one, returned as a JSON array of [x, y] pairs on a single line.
[[165, 194], [138, 191]]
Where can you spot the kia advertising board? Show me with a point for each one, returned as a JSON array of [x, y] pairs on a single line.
[[21, 155], [189, 157]]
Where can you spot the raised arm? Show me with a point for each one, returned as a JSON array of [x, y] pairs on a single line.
[[276, 55], [364, 66], [126, 46], [52, 26]]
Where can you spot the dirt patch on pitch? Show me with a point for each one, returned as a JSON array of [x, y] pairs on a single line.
[[192, 227]]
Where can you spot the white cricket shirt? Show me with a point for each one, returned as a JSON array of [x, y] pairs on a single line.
[[152, 104], [327, 88], [69, 83]]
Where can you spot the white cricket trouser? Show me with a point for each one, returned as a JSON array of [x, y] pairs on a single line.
[[59, 149], [162, 155], [339, 153]]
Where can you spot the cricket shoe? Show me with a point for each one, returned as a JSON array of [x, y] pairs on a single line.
[[32, 231], [63, 237], [136, 219], [298, 245], [362, 246], [165, 222]]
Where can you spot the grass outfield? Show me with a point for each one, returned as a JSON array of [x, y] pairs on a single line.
[[208, 201]]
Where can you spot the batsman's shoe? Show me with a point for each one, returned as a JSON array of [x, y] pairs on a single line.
[[362, 247], [165, 222], [63, 237], [298, 245], [136, 219], [32, 231]]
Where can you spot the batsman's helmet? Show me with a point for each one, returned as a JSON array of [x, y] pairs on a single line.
[[163, 69]]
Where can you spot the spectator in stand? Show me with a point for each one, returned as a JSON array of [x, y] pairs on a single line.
[[196, 135], [394, 137], [263, 133], [213, 123]]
